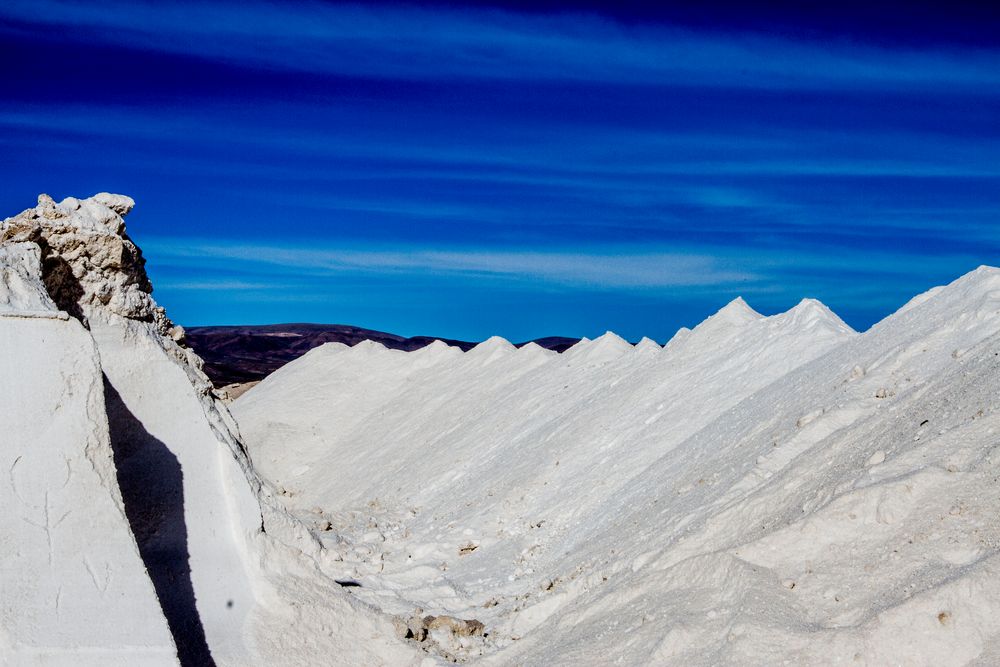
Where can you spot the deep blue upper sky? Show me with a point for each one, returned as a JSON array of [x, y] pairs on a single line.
[[524, 169]]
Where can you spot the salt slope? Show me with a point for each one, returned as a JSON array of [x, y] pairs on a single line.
[[231, 592], [69, 559], [844, 515], [506, 455]]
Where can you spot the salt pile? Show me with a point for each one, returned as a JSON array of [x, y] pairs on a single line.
[[759, 491]]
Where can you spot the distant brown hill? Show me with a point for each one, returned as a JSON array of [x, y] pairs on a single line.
[[248, 353]]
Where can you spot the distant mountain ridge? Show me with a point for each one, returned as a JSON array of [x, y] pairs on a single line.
[[248, 353]]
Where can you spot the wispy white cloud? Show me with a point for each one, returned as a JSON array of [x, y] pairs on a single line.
[[609, 159], [627, 268], [211, 285], [746, 163], [275, 274], [418, 43]]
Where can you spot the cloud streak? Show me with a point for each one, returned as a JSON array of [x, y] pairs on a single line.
[[607, 270], [400, 166], [408, 42]]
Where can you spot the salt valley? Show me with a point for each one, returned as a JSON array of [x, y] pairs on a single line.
[[761, 490]]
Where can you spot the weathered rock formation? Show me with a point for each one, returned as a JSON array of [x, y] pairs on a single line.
[[88, 261], [130, 478]]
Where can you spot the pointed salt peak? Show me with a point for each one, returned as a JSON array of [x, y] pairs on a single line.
[[436, 346], [321, 352], [738, 311], [605, 348], [985, 270], [435, 352], [493, 344], [368, 346], [810, 313], [982, 278], [610, 342], [981, 275], [647, 344], [533, 350], [611, 339], [578, 347], [735, 313], [678, 338], [433, 349], [811, 308]]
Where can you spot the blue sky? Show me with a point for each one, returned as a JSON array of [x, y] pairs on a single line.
[[523, 170]]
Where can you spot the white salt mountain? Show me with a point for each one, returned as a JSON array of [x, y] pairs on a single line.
[[763, 490], [136, 532]]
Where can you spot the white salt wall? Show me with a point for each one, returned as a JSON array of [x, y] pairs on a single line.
[[132, 512], [220, 511], [259, 599], [73, 589]]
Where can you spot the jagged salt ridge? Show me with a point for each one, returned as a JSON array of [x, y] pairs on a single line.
[[494, 434], [761, 490]]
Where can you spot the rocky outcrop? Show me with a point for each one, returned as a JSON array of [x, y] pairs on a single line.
[[89, 263], [237, 579]]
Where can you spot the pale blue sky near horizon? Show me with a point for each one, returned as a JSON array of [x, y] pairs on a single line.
[[467, 170]]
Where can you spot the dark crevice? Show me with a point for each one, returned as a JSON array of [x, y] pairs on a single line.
[[152, 488], [63, 287]]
